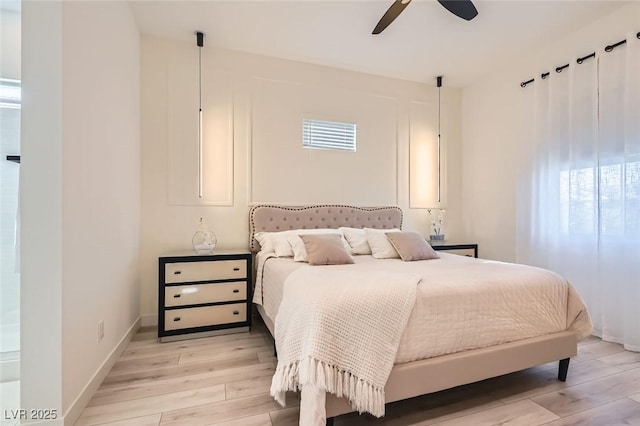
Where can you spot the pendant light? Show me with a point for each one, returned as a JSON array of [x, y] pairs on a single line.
[[200, 44], [436, 229], [439, 84]]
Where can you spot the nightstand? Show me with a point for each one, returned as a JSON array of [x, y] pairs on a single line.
[[470, 250], [204, 295]]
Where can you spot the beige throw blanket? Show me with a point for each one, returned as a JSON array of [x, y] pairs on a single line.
[[338, 329]]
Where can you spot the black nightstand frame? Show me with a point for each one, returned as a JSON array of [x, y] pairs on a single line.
[[446, 246], [162, 261]]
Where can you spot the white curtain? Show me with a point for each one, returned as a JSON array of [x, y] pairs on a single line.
[[578, 198]]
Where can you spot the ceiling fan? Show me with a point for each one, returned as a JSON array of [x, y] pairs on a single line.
[[461, 8]]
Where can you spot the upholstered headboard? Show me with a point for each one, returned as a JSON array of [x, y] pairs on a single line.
[[271, 218]]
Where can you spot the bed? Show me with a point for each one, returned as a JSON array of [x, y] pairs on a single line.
[[414, 374]]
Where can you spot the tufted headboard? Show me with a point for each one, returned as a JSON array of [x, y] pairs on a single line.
[[271, 218]]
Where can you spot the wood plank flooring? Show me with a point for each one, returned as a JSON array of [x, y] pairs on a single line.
[[225, 380]]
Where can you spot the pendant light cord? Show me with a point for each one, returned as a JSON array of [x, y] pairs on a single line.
[[439, 88], [200, 75], [200, 44], [200, 122], [439, 84], [439, 141]]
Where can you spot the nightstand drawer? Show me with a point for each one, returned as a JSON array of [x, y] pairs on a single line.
[[462, 252], [195, 294], [464, 249], [208, 315], [184, 272]]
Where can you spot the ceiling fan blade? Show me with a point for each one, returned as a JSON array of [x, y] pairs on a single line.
[[390, 15], [461, 8]]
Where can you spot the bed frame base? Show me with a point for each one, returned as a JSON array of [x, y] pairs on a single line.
[[435, 374], [563, 368], [430, 375]]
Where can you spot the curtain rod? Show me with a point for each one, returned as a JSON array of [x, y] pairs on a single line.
[[559, 69]]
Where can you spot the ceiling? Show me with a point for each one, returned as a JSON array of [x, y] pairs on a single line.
[[423, 42]]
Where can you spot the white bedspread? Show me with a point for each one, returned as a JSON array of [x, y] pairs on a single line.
[[462, 303]]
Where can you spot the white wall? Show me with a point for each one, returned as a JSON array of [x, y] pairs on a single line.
[[101, 185], [495, 121], [41, 207], [267, 98], [81, 193], [282, 171]]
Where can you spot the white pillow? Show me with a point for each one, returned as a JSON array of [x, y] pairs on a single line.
[[297, 245], [357, 239], [264, 238], [381, 247], [274, 242], [281, 245]]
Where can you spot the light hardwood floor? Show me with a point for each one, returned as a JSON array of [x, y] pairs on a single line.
[[224, 381]]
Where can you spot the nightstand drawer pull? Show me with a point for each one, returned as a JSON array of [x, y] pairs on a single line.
[[177, 272], [236, 269], [177, 295], [176, 319], [236, 313], [235, 290]]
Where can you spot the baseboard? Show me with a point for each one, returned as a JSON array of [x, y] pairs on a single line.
[[74, 411], [57, 422], [148, 320]]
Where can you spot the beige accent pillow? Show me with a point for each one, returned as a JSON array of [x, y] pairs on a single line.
[[381, 247], [411, 246], [297, 245], [326, 249]]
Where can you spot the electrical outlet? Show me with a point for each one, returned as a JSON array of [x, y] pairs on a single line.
[[100, 331]]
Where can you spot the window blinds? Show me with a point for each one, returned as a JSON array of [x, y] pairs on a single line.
[[322, 134]]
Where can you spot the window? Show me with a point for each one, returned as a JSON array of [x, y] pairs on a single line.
[[321, 134], [9, 93], [614, 193], [578, 200]]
